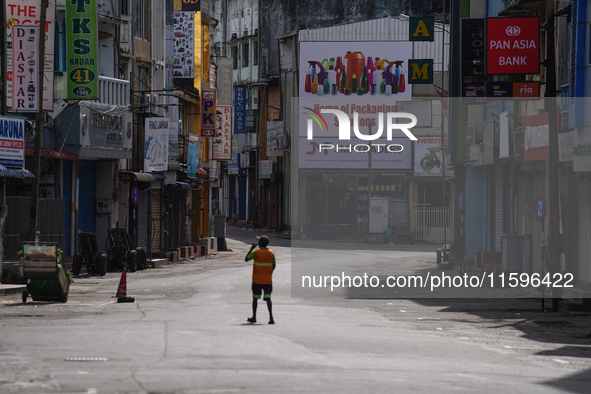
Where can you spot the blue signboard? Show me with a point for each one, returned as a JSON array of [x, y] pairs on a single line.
[[540, 208], [12, 142], [239, 110], [234, 165], [192, 160]]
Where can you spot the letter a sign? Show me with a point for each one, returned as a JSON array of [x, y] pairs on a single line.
[[421, 28]]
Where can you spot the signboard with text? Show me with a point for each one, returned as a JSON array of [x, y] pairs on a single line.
[[82, 43], [473, 77], [239, 110], [208, 113], [29, 13], [156, 144], [25, 68], [12, 142], [222, 143], [224, 81], [506, 89], [513, 45]]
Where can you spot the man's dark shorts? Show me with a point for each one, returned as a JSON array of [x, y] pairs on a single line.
[[258, 289]]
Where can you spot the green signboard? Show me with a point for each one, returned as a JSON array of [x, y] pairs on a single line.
[[421, 29], [82, 40]]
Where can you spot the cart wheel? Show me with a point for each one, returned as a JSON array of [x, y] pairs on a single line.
[[132, 260], [102, 264], [77, 264], [141, 258], [25, 295], [64, 297]]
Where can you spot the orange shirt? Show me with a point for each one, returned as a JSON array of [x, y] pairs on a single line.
[[262, 268]]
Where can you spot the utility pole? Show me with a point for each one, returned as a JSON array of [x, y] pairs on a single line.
[[34, 210], [553, 162], [4, 108]]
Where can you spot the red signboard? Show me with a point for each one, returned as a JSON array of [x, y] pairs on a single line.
[[536, 136], [513, 45], [208, 104]]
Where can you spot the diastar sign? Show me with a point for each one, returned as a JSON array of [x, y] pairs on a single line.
[[513, 45]]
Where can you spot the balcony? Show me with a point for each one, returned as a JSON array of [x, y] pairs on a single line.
[[112, 92]]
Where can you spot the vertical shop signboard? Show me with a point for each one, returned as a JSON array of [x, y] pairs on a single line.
[[473, 48], [82, 39], [25, 68], [208, 113], [239, 110], [222, 143]]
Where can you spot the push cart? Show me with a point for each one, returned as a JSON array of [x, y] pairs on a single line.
[[90, 255], [124, 252], [46, 278]]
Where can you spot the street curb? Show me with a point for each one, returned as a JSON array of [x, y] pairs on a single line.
[[12, 289]]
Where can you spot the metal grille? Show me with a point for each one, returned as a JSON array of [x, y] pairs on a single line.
[[427, 223], [156, 219], [143, 219]]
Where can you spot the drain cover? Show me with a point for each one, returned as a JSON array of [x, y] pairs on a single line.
[[87, 359]]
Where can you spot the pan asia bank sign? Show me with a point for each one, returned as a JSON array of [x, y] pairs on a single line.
[[513, 45]]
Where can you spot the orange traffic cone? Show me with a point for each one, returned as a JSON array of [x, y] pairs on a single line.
[[122, 289]]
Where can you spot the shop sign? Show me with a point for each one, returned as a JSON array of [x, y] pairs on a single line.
[[192, 160], [421, 28], [473, 76], [12, 142], [582, 150], [239, 110], [265, 167], [222, 142], [156, 144], [184, 47], [512, 89], [536, 136], [234, 165], [208, 113], [82, 43], [513, 45], [224, 81], [421, 71], [25, 68], [29, 13], [196, 5], [274, 137]]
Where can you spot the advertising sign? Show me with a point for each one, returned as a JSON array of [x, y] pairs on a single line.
[[233, 166], [82, 43], [184, 48], [348, 59], [473, 76], [12, 142], [192, 160], [274, 133], [265, 167], [222, 142], [173, 127], [239, 110], [427, 162], [156, 144], [225, 81], [513, 45], [512, 89], [25, 68], [536, 136], [208, 113], [421, 28], [29, 13], [196, 5]]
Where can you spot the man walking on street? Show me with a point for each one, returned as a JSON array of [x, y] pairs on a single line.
[[262, 272]]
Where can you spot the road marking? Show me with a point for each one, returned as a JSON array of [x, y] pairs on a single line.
[[560, 361]]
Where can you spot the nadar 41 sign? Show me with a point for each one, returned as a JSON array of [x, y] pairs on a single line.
[[513, 45], [82, 37]]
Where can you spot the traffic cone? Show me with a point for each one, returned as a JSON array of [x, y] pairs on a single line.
[[122, 289]]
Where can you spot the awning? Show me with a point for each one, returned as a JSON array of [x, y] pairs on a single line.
[[52, 154], [15, 173], [184, 185], [174, 165], [129, 176], [158, 175]]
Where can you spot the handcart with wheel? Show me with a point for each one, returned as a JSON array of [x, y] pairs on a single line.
[[124, 251], [90, 255], [46, 278]]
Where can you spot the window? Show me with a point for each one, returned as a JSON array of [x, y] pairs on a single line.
[[141, 19], [125, 7], [234, 53], [255, 53], [245, 47]]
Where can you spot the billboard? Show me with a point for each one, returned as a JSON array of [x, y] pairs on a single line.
[[513, 45], [82, 43], [156, 144], [341, 69], [427, 163], [208, 113], [25, 68], [184, 48], [12, 142], [25, 13]]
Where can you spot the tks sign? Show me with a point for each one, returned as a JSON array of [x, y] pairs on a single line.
[[513, 45]]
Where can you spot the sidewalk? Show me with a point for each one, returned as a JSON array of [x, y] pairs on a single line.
[[12, 289]]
